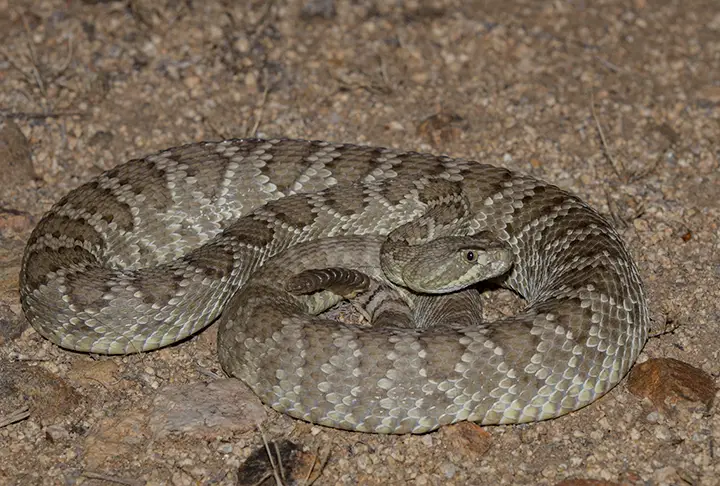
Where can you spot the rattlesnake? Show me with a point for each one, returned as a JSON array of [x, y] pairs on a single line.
[[152, 251]]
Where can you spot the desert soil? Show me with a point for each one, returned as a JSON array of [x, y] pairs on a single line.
[[615, 100]]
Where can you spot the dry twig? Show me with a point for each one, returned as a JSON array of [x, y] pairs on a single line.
[[16, 416], [111, 479], [619, 172], [277, 473]]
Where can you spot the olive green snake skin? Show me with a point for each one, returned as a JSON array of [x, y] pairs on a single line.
[[156, 249]]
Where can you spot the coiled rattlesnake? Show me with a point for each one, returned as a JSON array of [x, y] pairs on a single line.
[[152, 251]]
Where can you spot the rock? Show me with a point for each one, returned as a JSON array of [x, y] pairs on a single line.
[[467, 439], [101, 139], [15, 156], [667, 381], [202, 410], [318, 9], [103, 372], [442, 128], [116, 437], [56, 433], [46, 395], [11, 324], [14, 221], [710, 94]]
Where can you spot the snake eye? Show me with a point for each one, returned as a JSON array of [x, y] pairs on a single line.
[[471, 256]]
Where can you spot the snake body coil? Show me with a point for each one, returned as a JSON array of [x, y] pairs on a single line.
[[152, 251]]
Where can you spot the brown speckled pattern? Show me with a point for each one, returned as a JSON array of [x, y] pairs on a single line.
[[152, 251]]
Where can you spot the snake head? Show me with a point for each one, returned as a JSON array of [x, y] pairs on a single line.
[[452, 263]]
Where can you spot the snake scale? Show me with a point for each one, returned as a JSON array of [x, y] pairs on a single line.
[[156, 249]]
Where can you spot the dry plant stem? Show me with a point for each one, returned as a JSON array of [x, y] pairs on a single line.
[[619, 172], [111, 479], [16, 416], [275, 467]]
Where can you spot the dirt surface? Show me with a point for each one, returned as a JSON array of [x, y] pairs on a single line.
[[616, 100]]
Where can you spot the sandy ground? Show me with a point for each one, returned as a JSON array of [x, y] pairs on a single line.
[[615, 100]]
